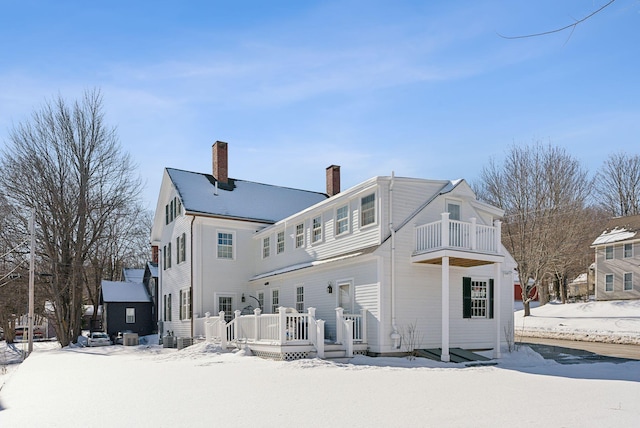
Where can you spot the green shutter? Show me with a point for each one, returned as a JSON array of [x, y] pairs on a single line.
[[491, 298], [466, 297]]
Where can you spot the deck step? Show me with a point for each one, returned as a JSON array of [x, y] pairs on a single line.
[[456, 355]]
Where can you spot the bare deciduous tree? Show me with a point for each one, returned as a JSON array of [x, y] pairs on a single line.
[[67, 164], [544, 192], [618, 184]]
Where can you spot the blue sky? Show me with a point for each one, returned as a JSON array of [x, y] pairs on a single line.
[[422, 88]]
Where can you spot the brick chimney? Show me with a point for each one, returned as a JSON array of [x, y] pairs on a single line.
[[154, 254], [220, 165], [333, 180]]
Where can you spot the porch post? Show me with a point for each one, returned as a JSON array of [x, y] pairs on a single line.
[[349, 339], [498, 225], [363, 325], [222, 330], [256, 315], [311, 325], [444, 231], [497, 269], [473, 234], [283, 325], [445, 309], [320, 336], [339, 324]]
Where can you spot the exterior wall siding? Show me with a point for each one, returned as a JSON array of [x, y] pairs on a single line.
[[618, 266], [361, 272]]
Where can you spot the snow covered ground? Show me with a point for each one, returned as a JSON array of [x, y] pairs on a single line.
[[202, 386], [616, 321]]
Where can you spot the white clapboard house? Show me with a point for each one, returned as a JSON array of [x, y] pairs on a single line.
[[390, 264]]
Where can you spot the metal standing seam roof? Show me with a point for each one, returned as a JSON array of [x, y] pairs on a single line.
[[117, 291]]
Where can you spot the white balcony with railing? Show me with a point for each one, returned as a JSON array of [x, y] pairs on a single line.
[[459, 236]]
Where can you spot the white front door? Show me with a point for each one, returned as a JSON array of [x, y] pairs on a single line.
[[344, 297], [225, 303]]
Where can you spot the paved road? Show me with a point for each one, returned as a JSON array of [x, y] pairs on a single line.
[[607, 349]]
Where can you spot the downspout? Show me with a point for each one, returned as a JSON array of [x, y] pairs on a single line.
[[191, 269], [395, 335]]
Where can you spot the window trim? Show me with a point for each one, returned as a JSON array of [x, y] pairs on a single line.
[[345, 219], [624, 281], [454, 203], [373, 209], [299, 243], [266, 247], [130, 315], [182, 249], [608, 252], [261, 300], [316, 238], [613, 279], [299, 298], [274, 306], [467, 298], [185, 304], [280, 242], [624, 250], [232, 245]]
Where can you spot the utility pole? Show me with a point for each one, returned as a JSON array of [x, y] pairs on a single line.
[[32, 227]]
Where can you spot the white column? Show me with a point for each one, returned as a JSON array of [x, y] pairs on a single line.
[[256, 319], [497, 269], [473, 234], [282, 312], [320, 338], [445, 310], [444, 231], [222, 330], [498, 226], [339, 324], [348, 342], [311, 326]]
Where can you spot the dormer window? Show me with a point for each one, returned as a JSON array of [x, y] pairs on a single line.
[[368, 210]]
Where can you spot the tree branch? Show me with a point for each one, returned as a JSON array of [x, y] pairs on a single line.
[[557, 30]]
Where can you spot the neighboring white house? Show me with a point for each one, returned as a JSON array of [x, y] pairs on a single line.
[[382, 257]]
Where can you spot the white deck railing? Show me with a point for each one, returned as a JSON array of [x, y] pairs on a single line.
[[286, 328], [456, 234]]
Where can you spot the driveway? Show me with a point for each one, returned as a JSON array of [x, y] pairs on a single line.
[[574, 352]]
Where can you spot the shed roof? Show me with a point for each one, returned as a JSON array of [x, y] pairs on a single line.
[[119, 291], [202, 194]]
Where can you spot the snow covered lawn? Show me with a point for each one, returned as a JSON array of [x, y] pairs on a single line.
[[616, 321], [200, 386]]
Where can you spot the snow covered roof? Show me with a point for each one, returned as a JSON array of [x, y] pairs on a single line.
[[153, 269], [619, 229], [308, 264], [117, 291], [133, 275], [239, 199]]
